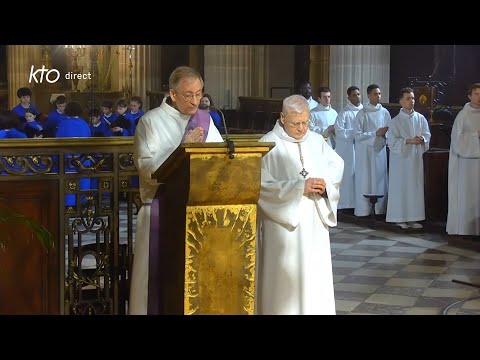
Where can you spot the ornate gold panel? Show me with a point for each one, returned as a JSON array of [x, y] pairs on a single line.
[[220, 260]]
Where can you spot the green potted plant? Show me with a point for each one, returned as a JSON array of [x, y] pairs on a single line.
[[10, 216]]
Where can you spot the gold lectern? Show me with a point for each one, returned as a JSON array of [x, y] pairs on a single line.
[[207, 229]]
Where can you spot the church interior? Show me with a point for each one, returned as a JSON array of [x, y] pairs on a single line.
[[378, 267]]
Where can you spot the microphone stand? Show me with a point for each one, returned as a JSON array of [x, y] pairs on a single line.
[[230, 145]]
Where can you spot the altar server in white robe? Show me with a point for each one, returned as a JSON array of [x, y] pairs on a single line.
[[345, 146], [464, 169], [300, 182], [305, 89], [322, 118], [371, 126], [159, 132], [408, 138]]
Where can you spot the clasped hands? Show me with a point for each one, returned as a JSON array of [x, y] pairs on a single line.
[[315, 186], [194, 136], [416, 140], [381, 131]]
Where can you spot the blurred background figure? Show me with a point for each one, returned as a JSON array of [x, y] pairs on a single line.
[[206, 103]]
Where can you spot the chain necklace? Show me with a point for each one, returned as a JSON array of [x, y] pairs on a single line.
[[304, 172]]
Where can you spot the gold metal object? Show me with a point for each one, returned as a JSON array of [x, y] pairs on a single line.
[[216, 204]]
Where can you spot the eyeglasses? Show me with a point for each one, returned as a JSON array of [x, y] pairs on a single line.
[[297, 124], [189, 97]]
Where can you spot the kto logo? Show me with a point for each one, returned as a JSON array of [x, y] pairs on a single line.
[[43, 71]]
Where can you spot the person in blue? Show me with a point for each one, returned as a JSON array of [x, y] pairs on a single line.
[[74, 126], [120, 126], [9, 122], [135, 113], [107, 113], [25, 95], [33, 129], [55, 117], [8, 130], [98, 126], [206, 103], [134, 116]]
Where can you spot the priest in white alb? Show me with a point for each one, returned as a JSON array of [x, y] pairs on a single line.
[[300, 182], [159, 132], [408, 138], [305, 89], [323, 116], [371, 126], [464, 169], [345, 146]]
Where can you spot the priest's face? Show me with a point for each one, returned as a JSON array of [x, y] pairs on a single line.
[[355, 97], [186, 97], [306, 90], [475, 98], [295, 124], [407, 101], [325, 98], [374, 96]]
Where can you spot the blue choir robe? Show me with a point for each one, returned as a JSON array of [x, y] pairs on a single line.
[[74, 127], [133, 118], [52, 122]]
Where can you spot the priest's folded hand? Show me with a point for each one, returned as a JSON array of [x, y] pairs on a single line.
[[314, 186], [194, 136]]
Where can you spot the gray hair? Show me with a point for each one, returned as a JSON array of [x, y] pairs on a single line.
[[295, 104], [180, 73]]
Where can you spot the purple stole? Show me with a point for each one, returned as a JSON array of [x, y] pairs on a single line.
[[157, 241], [200, 118]]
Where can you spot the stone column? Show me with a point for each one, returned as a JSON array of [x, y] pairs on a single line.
[[234, 70], [19, 62], [149, 72], [259, 71], [319, 67], [119, 72], [197, 58]]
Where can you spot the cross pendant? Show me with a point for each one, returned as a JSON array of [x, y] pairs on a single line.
[[304, 173]]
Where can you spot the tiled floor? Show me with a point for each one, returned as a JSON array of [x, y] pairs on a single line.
[[383, 272]]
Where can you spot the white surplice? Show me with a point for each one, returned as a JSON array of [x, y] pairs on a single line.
[[321, 118], [158, 133], [406, 200], [345, 147], [464, 174], [294, 267], [312, 104], [370, 159]]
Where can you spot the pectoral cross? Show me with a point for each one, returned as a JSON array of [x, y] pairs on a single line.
[[304, 173]]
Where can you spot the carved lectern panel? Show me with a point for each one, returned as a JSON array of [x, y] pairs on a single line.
[[220, 260]]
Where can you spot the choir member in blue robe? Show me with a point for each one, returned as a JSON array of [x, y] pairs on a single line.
[[74, 126], [33, 129], [135, 113], [121, 126], [98, 126], [8, 126], [55, 117], [107, 112], [24, 94]]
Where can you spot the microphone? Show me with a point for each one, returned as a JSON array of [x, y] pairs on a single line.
[[231, 146]]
